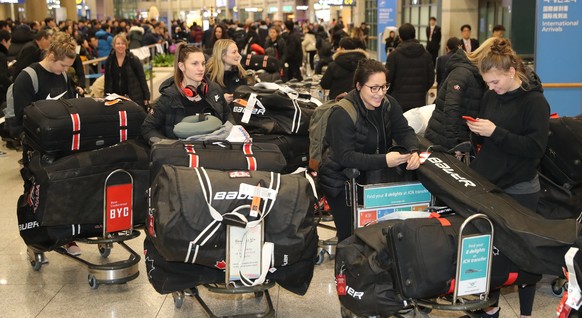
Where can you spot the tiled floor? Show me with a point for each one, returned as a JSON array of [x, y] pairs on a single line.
[[60, 288]]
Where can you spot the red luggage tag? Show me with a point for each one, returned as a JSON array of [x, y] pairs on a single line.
[[423, 156], [340, 283], [256, 203]]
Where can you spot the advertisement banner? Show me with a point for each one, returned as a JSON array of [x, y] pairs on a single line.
[[386, 19]]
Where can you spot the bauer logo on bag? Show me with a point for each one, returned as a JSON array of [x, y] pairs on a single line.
[[450, 171], [240, 105]]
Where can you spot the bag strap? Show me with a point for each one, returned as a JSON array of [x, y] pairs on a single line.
[[349, 108]]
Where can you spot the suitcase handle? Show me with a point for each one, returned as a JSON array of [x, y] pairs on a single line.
[[69, 106]]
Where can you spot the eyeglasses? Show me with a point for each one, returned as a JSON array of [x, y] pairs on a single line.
[[376, 89]]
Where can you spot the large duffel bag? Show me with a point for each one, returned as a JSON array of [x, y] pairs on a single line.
[[60, 127], [260, 62], [562, 161], [559, 202], [220, 155], [277, 109], [422, 272], [295, 149], [535, 244], [188, 205], [167, 277], [46, 238], [70, 190]]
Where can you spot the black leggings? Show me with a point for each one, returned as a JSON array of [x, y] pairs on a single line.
[[342, 215]]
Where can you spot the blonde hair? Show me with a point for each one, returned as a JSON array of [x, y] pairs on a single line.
[[122, 37], [502, 57], [62, 46], [215, 67], [182, 53]]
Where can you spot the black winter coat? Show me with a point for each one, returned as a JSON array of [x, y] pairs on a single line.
[[513, 152], [348, 141], [4, 77], [339, 76], [410, 74], [294, 49], [168, 110], [277, 49], [460, 95], [127, 79]]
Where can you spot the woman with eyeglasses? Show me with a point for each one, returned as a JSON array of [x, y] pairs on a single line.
[[224, 67], [187, 93], [363, 144]]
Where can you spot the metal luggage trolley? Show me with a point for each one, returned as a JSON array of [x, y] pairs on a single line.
[[236, 236], [466, 297], [117, 228]]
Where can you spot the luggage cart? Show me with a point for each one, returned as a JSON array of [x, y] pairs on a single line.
[[459, 301], [230, 287], [117, 228]]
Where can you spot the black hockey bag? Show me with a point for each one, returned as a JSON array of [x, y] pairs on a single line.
[[260, 62], [220, 155], [370, 285], [70, 190], [60, 127], [559, 202], [268, 108], [190, 208], [533, 243], [295, 149], [562, 162]]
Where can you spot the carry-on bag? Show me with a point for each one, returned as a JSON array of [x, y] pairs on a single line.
[[190, 207], [562, 161], [268, 108], [532, 242], [220, 155], [295, 149], [60, 127], [70, 190], [260, 62]]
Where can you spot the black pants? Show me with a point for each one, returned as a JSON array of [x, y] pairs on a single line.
[[311, 57], [294, 71], [342, 215]]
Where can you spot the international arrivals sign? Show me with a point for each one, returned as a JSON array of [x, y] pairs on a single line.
[[346, 3]]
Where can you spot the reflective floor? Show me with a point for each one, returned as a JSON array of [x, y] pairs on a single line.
[[60, 288]]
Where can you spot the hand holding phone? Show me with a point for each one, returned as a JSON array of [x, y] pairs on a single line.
[[469, 118]]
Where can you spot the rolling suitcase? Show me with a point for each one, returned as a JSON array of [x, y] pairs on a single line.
[[61, 127], [295, 149], [220, 155], [70, 190]]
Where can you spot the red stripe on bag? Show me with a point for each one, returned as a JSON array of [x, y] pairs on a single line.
[[251, 163], [248, 149], [122, 125], [265, 61], [193, 161], [248, 61], [511, 278], [76, 131], [189, 148], [451, 287], [443, 221]]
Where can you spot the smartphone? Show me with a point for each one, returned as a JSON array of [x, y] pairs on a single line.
[[469, 118]]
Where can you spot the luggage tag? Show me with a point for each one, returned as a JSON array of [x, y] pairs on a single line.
[[340, 282], [423, 156], [256, 203], [250, 105]]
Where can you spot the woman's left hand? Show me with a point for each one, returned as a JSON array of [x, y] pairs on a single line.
[[413, 162], [482, 127]]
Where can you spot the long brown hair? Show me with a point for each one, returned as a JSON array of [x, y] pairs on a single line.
[[182, 53]]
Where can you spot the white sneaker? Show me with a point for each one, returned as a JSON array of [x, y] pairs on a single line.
[[73, 249]]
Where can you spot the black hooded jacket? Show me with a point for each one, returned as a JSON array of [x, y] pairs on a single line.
[[410, 74], [513, 152], [352, 145], [459, 95], [168, 110], [339, 76]]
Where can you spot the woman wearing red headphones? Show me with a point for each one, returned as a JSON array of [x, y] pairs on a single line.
[[187, 93]]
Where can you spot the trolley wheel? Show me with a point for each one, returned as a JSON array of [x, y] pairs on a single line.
[[36, 265], [178, 299], [36, 260], [346, 313], [320, 257], [558, 287], [104, 250], [93, 283]]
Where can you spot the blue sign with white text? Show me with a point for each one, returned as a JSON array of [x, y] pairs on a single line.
[[557, 53], [386, 18]]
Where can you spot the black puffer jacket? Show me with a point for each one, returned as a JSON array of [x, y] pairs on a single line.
[[339, 76], [513, 152], [168, 110], [410, 74], [232, 80], [459, 95], [127, 79], [349, 146]]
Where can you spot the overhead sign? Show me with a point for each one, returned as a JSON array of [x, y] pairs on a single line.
[[386, 18], [345, 3], [557, 53]]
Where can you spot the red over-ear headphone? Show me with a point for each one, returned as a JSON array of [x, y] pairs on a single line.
[[190, 91]]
